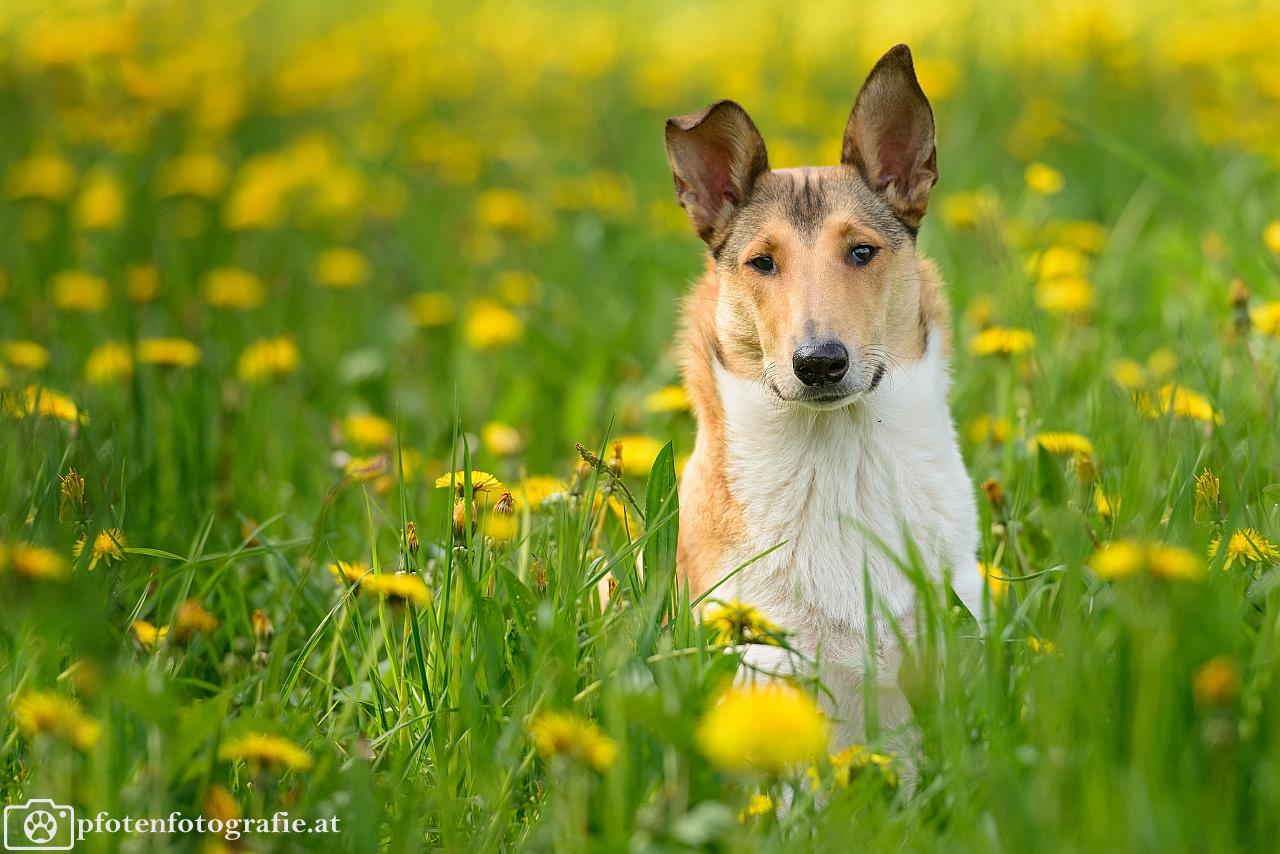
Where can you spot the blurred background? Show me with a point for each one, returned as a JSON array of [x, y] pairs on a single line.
[[248, 249]]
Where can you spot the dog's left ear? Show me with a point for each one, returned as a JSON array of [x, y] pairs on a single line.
[[889, 138]]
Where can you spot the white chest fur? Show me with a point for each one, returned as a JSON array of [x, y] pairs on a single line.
[[830, 484]]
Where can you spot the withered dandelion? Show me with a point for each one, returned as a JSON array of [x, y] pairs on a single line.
[[70, 496], [1206, 496]]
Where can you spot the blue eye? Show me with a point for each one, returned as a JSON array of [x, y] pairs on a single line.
[[763, 263], [861, 254]]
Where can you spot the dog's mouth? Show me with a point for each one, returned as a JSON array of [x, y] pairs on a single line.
[[840, 395]]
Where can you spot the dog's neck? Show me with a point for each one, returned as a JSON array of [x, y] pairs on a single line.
[[846, 487]]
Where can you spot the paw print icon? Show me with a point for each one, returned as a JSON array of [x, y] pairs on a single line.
[[39, 825]]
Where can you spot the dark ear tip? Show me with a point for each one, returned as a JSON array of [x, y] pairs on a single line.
[[900, 56]]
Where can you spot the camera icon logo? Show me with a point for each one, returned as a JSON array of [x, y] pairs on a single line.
[[39, 825]]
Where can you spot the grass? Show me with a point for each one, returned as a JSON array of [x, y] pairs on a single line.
[[507, 163]]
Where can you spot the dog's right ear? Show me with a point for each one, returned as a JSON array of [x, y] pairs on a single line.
[[716, 156]]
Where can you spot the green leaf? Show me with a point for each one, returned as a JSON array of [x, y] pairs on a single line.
[[1272, 493], [661, 517], [1053, 486]]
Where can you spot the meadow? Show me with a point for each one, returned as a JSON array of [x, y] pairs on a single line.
[[337, 375]]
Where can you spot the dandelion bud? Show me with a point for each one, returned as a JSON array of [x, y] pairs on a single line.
[[71, 502], [411, 538], [506, 505], [1085, 471], [613, 586], [460, 518], [1206, 495], [995, 495], [615, 463], [1240, 303], [263, 628], [539, 575]]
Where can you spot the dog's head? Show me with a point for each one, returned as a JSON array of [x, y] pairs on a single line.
[[817, 265]]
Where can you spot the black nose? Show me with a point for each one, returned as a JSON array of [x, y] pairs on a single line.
[[820, 363]]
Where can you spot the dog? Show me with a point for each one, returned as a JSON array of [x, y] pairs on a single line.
[[816, 353]]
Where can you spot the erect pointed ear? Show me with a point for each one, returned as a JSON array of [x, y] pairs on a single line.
[[716, 156], [889, 138]]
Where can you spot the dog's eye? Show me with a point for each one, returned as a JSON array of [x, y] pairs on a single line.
[[763, 263], [861, 254]]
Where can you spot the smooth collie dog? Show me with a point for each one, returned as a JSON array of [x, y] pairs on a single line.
[[816, 351]]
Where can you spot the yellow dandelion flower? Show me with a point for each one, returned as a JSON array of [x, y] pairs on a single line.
[[1068, 295], [1106, 504], [36, 562], [970, 209], [770, 729], [537, 488], [1171, 562], [735, 622], [433, 308], [504, 209], [501, 440], [1271, 236], [847, 762], [1078, 234], [220, 805], [1063, 443], [1216, 682], [76, 290], [265, 750], [367, 430], [1118, 559], [193, 174], [639, 453], [398, 587], [100, 205], [47, 712], [43, 402], [1128, 374], [142, 283], [108, 546], [193, 620], [367, 468], [341, 267], [230, 288], [673, 398], [109, 363], [1162, 362], [1044, 180], [1002, 341], [44, 176], [1041, 646], [269, 358], [1246, 546], [350, 572], [519, 288], [1061, 262], [147, 635], [1206, 495], [169, 352], [501, 527], [25, 355], [480, 482], [1181, 402], [995, 580], [490, 326], [574, 737], [758, 805], [1266, 318]]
